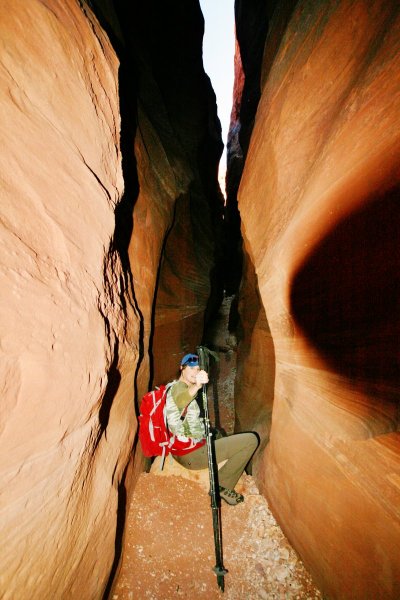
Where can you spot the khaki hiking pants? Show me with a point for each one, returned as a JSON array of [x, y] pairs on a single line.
[[236, 449]]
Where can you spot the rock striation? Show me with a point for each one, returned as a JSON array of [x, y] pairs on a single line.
[[319, 206]]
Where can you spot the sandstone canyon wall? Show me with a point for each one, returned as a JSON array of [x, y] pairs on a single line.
[[251, 327], [64, 438], [319, 202], [178, 211], [102, 155]]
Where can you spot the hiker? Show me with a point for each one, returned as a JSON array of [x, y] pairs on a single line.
[[183, 417]]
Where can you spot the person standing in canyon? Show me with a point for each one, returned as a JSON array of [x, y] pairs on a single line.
[[185, 422]]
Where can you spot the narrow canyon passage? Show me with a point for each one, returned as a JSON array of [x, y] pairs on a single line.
[[168, 547], [120, 253]]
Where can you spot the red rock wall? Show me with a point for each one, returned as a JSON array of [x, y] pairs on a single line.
[[183, 290], [319, 205], [95, 152], [254, 403], [67, 329], [178, 211]]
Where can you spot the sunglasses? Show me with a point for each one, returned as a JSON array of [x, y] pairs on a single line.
[[192, 360]]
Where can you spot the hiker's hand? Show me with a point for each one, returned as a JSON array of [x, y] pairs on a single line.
[[201, 378]]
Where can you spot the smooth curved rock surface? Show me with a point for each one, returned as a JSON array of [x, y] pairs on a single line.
[[67, 331], [254, 403], [319, 206]]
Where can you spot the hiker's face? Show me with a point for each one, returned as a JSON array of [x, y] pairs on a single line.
[[189, 374]]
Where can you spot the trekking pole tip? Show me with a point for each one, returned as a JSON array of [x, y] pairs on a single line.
[[220, 573]]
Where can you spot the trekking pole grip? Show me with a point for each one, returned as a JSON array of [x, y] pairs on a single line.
[[203, 359]]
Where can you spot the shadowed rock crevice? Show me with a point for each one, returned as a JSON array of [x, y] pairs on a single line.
[[119, 535], [171, 137], [346, 298], [252, 22], [247, 317]]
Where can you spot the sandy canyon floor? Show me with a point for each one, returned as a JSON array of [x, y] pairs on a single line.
[[168, 549]]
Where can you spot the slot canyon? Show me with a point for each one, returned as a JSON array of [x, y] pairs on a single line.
[[119, 249]]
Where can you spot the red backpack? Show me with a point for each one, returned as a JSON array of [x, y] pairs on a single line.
[[154, 435]]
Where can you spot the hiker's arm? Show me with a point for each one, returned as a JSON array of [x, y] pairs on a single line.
[[184, 394]]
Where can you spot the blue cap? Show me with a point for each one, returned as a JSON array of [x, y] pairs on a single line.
[[191, 360]]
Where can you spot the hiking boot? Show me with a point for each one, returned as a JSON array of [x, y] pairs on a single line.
[[230, 496]]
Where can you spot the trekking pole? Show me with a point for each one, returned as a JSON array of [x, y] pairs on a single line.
[[219, 568]]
